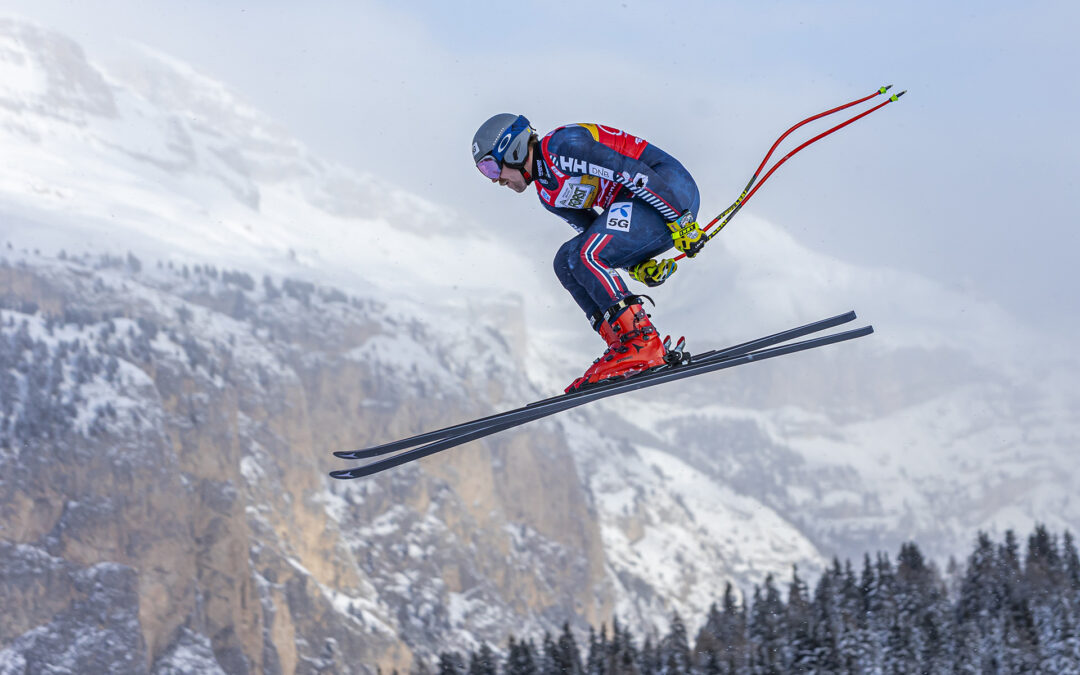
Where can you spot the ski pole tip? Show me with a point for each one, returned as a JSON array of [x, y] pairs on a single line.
[[895, 97], [885, 89]]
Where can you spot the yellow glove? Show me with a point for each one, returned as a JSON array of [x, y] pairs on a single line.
[[653, 273], [686, 234]]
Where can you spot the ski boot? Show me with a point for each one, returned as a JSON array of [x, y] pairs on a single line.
[[607, 333], [633, 346]]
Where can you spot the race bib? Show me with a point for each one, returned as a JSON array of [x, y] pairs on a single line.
[[578, 194]]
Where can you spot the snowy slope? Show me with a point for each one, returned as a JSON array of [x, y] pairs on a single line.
[[930, 429], [160, 160]]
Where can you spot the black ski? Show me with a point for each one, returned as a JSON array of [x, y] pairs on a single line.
[[465, 427], [560, 404]]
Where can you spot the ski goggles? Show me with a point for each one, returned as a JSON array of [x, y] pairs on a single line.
[[490, 167]]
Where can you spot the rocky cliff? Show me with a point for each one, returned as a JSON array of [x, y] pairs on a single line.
[[163, 492]]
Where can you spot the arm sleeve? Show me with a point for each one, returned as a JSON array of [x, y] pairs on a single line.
[[578, 154]]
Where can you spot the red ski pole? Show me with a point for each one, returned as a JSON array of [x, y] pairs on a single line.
[[725, 217]]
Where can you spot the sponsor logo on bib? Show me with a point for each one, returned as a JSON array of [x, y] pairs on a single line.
[[619, 216]]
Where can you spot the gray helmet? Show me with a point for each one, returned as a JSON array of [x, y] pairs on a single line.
[[505, 137]]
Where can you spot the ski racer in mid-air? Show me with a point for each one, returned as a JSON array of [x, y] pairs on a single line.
[[629, 201]]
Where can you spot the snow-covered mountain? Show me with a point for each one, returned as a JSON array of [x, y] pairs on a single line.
[[949, 419]]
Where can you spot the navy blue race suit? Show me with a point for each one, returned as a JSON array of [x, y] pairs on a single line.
[[619, 192]]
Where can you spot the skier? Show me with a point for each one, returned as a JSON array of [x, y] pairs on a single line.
[[619, 192], [629, 201]]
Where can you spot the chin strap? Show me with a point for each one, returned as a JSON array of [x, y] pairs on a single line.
[[529, 178]]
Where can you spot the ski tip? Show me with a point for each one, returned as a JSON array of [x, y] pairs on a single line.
[[344, 474], [345, 454]]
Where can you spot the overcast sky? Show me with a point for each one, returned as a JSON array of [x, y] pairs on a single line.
[[970, 179]]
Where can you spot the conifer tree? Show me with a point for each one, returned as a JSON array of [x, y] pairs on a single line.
[[848, 602], [712, 664], [650, 658], [483, 661], [867, 585], [915, 594], [1043, 569], [924, 605], [567, 656], [615, 644], [849, 597], [797, 628], [451, 663], [595, 663], [520, 659], [975, 607], [622, 655], [708, 638], [1071, 562], [885, 592], [979, 594], [934, 629], [547, 657], [676, 645], [825, 622], [1019, 651], [871, 630], [767, 631], [1009, 579]]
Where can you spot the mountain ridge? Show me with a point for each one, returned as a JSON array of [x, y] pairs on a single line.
[[860, 447]]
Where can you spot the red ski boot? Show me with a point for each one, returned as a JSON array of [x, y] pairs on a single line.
[[633, 346], [608, 334]]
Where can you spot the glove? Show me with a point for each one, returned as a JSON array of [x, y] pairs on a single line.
[[686, 234], [653, 273]]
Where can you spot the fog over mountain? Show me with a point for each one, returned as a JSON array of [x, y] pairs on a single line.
[[197, 310]]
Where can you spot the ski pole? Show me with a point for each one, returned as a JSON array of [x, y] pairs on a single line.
[[725, 217], [757, 172]]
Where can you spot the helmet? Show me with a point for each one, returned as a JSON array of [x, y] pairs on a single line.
[[503, 139]]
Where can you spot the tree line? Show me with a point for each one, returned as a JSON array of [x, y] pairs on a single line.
[[1006, 610]]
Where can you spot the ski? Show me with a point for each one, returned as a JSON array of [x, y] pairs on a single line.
[[465, 427], [561, 404]]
